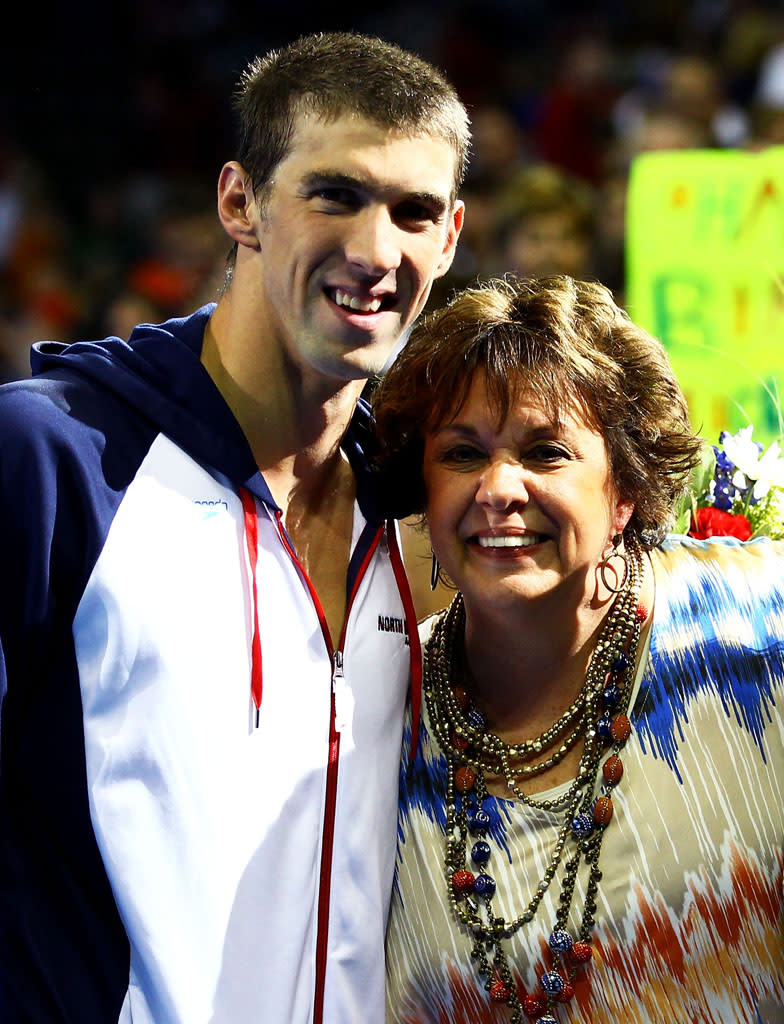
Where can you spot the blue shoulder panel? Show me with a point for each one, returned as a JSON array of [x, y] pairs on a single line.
[[65, 460]]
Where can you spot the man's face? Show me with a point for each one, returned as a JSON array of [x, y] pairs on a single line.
[[356, 224]]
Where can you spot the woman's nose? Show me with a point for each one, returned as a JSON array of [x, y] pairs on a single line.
[[502, 484]]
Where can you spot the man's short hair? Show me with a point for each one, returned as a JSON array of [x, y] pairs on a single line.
[[337, 73]]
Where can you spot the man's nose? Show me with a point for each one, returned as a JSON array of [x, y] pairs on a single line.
[[373, 242]]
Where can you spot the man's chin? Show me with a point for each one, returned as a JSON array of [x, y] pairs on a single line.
[[359, 362]]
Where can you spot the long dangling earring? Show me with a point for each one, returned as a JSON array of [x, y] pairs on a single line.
[[435, 569], [604, 565]]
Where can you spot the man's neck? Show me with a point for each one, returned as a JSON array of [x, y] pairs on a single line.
[[294, 424]]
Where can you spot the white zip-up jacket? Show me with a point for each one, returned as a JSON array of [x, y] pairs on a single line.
[[198, 785]]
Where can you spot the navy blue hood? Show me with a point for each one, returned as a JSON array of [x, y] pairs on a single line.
[[158, 372]]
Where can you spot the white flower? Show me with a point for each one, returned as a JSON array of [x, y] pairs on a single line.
[[764, 470], [742, 452], [770, 471]]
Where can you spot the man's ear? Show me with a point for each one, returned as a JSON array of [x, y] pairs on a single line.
[[454, 228], [238, 208]]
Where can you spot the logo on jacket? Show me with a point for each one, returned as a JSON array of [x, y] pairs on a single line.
[[211, 508], [393, 624]]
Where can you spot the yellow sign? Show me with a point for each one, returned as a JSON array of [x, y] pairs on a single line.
[[705, 275]]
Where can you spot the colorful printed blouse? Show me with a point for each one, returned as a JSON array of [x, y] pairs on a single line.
[[690, 909]]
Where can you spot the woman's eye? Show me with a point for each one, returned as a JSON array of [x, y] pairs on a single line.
[[547, 453], [460, 455]]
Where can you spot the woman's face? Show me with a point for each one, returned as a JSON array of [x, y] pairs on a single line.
[[519, 510]]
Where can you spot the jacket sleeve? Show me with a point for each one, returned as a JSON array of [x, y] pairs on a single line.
[[60, 931], [28, 475], [50, 527]]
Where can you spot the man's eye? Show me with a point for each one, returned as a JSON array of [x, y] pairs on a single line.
[[335, 196], [415, 213]]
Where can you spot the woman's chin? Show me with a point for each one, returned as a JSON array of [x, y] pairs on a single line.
[[508, 586]]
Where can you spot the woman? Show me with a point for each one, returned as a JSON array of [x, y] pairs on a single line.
[[592, 818]]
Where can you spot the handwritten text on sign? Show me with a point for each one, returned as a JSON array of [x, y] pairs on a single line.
[[705, 244]]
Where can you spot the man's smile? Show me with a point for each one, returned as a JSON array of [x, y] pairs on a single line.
[[357, 303]]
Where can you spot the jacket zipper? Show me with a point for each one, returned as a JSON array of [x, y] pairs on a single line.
[[331, 790]]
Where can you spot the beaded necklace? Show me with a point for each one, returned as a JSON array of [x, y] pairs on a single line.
[[598, 715]]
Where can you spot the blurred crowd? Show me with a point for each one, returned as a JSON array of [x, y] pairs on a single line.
[[107, 182]]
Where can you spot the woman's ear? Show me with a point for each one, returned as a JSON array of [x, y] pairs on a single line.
[[623, 513], [238, 208]]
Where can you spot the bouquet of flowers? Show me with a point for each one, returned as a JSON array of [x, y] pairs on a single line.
[[737, 491]]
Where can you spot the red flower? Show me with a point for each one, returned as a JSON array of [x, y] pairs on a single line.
[[712, 522]]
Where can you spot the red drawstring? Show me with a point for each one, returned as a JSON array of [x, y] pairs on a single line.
[[415, 648], [256, 683], [252, 538]]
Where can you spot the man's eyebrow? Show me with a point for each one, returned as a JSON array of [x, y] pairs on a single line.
[[314, 179], [339, 179]]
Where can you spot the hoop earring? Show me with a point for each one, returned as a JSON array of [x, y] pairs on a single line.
[[604, 565], [435, 570]]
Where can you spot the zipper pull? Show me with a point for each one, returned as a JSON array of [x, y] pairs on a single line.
[[344, 698]]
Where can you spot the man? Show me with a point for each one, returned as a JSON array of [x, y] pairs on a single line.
[[203, 618]]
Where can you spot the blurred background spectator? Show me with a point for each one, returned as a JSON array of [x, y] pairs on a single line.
[[115, 120], [546, 223]]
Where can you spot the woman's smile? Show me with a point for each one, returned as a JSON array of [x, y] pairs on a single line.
[[506, 544]]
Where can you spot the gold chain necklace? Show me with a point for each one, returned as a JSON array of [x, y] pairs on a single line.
[[598, 715]]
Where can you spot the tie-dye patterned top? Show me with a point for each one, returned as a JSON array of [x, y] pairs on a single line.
[[690, 910]]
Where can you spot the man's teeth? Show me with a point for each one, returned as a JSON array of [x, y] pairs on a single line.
[[354, 302], [515, 541]]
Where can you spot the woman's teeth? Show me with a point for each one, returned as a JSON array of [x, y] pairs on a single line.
[[515, 541]]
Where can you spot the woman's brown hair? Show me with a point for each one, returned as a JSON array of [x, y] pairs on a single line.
[[565, 341]]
